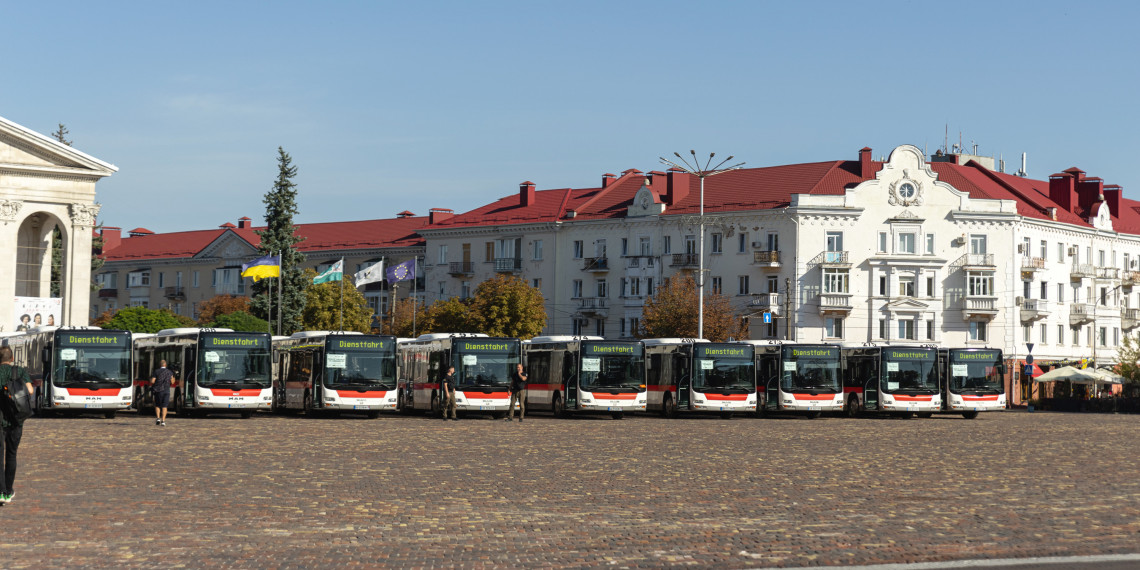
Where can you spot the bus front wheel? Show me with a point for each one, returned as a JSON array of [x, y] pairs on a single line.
[[557, 407], [852, 407], [668, 407], [246, 414], [436, 406], [813, 415], [109, 415], [970, 415]]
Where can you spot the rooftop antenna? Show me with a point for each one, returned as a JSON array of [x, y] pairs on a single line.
[[1023, 173], [1001, 163]]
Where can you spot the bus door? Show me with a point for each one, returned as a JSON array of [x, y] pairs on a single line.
[[869, 374], [570, 378], [318, 378], [768, 378], [684, 375]]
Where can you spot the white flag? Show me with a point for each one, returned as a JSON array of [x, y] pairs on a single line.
[[371, 274]]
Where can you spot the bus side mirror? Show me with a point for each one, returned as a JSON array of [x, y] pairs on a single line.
[[1001, 369]]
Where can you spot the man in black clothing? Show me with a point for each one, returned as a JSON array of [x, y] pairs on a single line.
[[518, 393], [449, 394], [10, 431], [160, 383]]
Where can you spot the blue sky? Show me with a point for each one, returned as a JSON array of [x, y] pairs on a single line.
[[390, 106]]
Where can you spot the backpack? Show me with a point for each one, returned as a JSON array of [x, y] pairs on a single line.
[[16, 401]]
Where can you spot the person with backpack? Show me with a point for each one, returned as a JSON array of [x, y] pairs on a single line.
[[160, 383], [11, 429]]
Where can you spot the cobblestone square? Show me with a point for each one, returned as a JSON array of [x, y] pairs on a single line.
[[410, 491]]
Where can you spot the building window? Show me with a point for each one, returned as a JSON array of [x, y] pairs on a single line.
[[576, 289], [980, 285], [978, 330], [624, 247], [465, 289], [1060, 292], [690, 244], [161, 280], [578, 249], [1043, 337], [906, 286], [882, 328], [882, 285], [634, 326], [833, 327], [537, 249], [1102, 336], [576, 327], [770, 330], [442, 254], [602, 289], [834, 281], [489, 252], [1060, 334], [773, 241], [645, 246], [742, 281], [1044, 291], [929, 244], [717, 243], [742, 242], [194, 279], [716, 284], [648, 285], [882, 242], [138, 279], [906, 329], [929, 286], [773, 284], [906, 242], [600, 327], [442, 288], [635, 286], [1060, 252], [978, 244], [929, 329], [536, 283], [1044, 249], [667, 245], [1027, 333]]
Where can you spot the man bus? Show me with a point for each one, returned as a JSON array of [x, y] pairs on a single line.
[[76, 369], [798, 378], [900, 380], [335, 371], [972, 380], [483, 367], [215, 370], [696, 375], [585, 373]]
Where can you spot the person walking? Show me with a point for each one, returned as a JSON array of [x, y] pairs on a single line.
[[449, 394], [160, 383], [10, 431], [518, 393]]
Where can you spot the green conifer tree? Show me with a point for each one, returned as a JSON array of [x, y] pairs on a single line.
[[278, 237]]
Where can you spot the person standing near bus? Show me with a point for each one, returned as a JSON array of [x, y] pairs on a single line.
[[160, 383], [10, 432], [449, 394], [518, 393]]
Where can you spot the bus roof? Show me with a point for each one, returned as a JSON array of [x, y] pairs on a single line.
[[315, 334], [189, 330], [668, 341], [564, 338], [443, 336]]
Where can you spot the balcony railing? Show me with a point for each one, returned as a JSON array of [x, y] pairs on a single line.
[[596, 264], [1129, 318], [1031, 264], [1107, 273], [591, 305], [1082, 270], [769, 258], [685, 260], [1033, 309], [175, 293], [769, 302], [1129, 278], [971, 260], [1082, 313], [834, 303], [977, 307], [508, 264], [105, 293], [461, 268]]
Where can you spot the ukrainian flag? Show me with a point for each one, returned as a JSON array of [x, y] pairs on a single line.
[[262, 267]]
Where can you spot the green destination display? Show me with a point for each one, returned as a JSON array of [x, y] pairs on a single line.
[[236, 342], [81, 339], [362, 344], [722, 351], [904, 354], [611, 349], [975, 356], [487, 346], [823, 352]]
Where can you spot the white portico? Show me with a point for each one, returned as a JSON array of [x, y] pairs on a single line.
[[45, 184]]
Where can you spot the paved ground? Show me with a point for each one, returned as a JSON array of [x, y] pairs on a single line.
[[410, 491]]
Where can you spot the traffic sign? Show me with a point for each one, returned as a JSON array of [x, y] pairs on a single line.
[[767, 318]]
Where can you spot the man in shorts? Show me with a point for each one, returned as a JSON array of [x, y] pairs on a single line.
[[160, 383]]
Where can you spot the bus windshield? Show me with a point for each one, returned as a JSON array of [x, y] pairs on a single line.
[[811, 369], [910, 370], [728, 374], [975, 371], [235, 366], [361, 370], [600, 372], [485, 363], [92, 367]]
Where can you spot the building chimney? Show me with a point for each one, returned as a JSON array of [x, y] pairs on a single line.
[[112, 237], [1089, 192], [677, 186], [608, 179], [526, 194], [436, 215], [1112, 194], [865, 162], [405, 214], [243, 222], [1062, 189]]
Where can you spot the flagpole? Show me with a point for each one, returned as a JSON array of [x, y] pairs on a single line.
[[342, 294], [269, 304], [414, 306], [280, 289], [392, 305]]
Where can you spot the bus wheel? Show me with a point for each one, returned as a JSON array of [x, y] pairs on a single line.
[[852, 407], [109, 415], [307, 404], [926, 415], [246, 414], [726, 415], [557, 407], [813, 415], [373, 414], [970, 415], [618, 415], [668, 408], [436, 406], [907, 415]]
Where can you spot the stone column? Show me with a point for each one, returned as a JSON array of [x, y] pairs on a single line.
[[76, 286], [9, 230]]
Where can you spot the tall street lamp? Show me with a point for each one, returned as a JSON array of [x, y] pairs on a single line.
[[701, 172]]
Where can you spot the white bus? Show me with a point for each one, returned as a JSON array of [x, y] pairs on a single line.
[[585, 373], [483, 366], [700, 376], [335, 371], [798, 378], [76, 369], [215, 370], [972, 380], [902, 380]]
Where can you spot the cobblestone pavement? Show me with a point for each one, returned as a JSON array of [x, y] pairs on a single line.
[[409, 491]]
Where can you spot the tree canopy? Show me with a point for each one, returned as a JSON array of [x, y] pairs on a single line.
[[401, 323], [218, 305], [672, 312], [240, 321], [279, 237], [507, 306], [143, 320], [323, 306]]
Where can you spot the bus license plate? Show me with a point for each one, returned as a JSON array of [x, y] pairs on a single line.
[[93, 405], [485, 407], [613, 409], [360, 407], [813, 408]]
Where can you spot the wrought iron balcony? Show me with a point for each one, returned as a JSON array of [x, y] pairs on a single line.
[[831, 259], [596, 264], [766, 258], [508, 264], [461, 268], [977, 261], [685, 260], [1107, 273], [1032, 264]]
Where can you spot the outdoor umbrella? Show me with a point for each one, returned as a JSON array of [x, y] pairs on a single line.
[[1107, 376], [1068, 373]]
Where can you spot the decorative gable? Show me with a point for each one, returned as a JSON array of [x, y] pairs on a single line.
[[228, 246], [645, 203]]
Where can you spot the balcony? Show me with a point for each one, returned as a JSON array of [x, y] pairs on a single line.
[[633, 301], [1031, 265], [1032, 309], [1080, 313], [977, 262], [1129, 278], [175, 293], [979, 308], [831, 304], [1081, 271], [1107, 273], [108, 293], [596, 264], [1129, 318], [767, 302], [508, 264], [636, 261], [461, 268], [685, 260], [833, 259], [592, 306], [770, 259]]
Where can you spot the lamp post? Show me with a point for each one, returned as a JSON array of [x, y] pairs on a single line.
[[701, 172]]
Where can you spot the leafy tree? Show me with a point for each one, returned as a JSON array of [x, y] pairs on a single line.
[[448, 315], [279, 237], [1129, 355], [218, 305], [240, 321], [143, 320], [323, 306], [507, 306], [672, 312], [401, 323]]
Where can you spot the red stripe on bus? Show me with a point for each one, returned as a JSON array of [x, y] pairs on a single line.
[[660, 388], [902, 398], [732, 397], [980, 398], [814, 397], [242, 392], [93, 391], [544, 386], [486, 396], [355, 394], [602, 396]]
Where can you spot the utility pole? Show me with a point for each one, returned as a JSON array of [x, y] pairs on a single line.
[[788, 324]]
